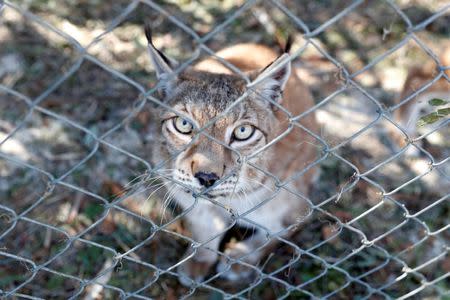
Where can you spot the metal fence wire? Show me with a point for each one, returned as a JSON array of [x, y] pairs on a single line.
[[71, 227]]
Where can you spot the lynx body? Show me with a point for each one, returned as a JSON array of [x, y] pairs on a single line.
[[249, 160]]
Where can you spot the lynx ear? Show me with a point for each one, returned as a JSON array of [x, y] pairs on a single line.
[[163, 65], [270, 82]]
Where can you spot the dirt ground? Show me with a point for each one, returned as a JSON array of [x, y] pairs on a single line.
[[74, 140]]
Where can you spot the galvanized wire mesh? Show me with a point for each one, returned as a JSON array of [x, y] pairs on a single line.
[[339, 276]]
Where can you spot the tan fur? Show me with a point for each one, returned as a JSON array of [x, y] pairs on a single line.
[[246, 57]]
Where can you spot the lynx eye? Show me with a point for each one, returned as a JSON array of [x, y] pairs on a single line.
[[182, 125], [243, 132]]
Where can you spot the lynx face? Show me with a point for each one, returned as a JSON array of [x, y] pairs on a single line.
[[215, 155], [205, 143]]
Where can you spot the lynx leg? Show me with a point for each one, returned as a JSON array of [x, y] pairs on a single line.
[[204, 224], [245, 251]]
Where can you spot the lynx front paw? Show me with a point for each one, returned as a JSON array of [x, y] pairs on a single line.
[[193, 271], [236, 271]]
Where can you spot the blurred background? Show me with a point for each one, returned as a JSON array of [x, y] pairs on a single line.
[[85, 66]]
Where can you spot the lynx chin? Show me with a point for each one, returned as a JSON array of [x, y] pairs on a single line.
[[247, 167]]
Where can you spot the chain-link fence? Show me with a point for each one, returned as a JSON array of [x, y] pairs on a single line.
[[81, 208]]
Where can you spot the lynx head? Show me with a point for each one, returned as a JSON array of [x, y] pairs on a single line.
[[205, 141]]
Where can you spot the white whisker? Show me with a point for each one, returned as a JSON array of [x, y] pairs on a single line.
[[133, 182], [169, 200], [165, 202], [160, 186]]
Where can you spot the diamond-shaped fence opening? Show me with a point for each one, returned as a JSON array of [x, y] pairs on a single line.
[[21, 185], [92, 95], [12, 119], [42, 243], [49, 143], [88, 204], [55, 285], [14, 272], [37, 57]]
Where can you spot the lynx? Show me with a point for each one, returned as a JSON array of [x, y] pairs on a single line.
[[246, 165]]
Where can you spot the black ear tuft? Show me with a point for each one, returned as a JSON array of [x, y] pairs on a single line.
[[148, 32], [288, 46], [148, 35]]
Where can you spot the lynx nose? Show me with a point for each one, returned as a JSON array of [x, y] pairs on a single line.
[[206, 179]]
